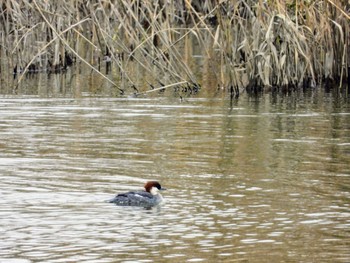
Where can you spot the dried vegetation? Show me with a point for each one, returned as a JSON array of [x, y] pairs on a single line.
[[252, 44]]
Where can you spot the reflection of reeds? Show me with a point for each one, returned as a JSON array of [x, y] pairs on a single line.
[[253, 44]]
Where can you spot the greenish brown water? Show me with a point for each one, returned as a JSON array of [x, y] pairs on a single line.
[[260, 179]]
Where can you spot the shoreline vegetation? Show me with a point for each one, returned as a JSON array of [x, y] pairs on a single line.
[[251, 45]]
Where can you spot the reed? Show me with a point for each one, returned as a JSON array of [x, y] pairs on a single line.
[[254, 44]]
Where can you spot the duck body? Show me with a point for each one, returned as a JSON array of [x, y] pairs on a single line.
[[148, 198]]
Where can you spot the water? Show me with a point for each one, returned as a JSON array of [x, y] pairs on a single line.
[[262, 179]]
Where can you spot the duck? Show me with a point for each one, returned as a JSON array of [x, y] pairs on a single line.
[[146, 198]]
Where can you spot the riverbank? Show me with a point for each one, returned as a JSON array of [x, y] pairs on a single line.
[[243, 45]]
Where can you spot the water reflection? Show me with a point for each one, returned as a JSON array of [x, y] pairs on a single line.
[[264, 179]]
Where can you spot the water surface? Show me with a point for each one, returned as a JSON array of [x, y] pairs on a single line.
[[260, 179]]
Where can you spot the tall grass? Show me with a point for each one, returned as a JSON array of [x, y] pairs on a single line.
[[253, 44]]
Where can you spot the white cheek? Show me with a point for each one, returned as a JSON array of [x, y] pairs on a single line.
[[154, 190]]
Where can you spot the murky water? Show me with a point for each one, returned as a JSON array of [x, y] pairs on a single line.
[[263, 179]]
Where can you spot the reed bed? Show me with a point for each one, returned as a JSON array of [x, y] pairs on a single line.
[[253, 44]]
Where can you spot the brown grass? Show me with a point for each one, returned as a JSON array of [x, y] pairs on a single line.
[[253, 45]]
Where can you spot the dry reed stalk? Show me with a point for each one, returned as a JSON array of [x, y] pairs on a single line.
[[253, 44]]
